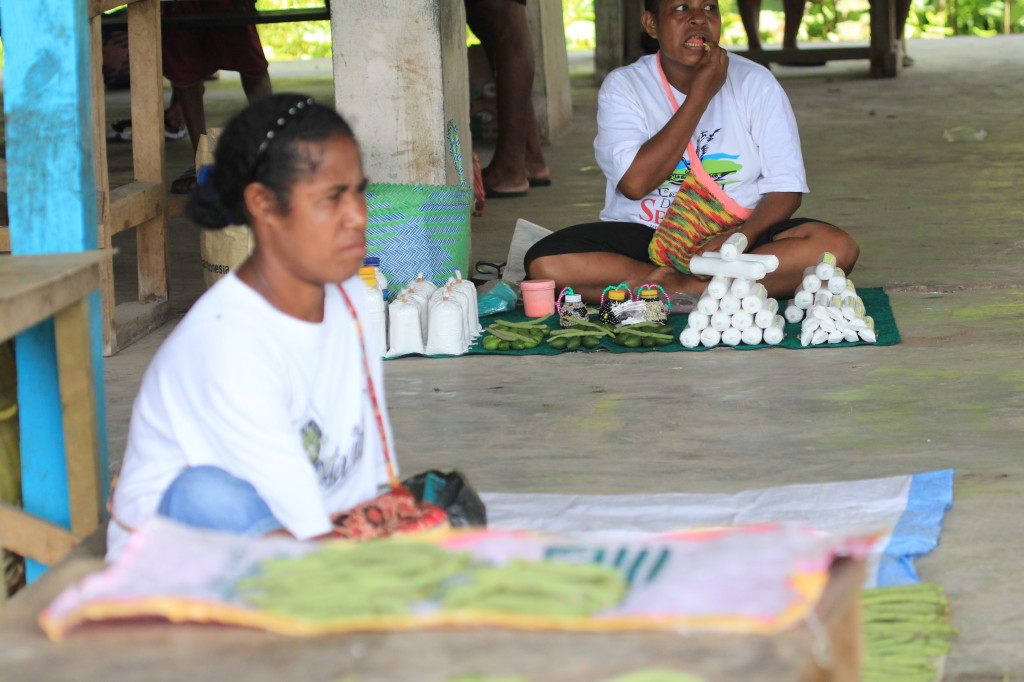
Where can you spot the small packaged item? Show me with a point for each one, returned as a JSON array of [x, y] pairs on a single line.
[[611, 297], [571, 308], [656, 309]]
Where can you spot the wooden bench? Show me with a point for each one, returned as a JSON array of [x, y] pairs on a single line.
[[33, 289], [618, 41], [221, 19]]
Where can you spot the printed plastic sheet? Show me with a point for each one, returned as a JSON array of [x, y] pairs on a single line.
[[909, 508], [758, 578]]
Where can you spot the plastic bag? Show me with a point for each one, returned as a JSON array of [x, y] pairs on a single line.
[[445, 333], [496, 296], [405, 332], [452, 493], [525, 235]]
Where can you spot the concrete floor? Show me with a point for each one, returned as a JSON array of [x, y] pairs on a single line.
[[939, 225]]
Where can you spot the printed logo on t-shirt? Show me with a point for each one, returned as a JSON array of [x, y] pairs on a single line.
[[331, 466], [719, 166]]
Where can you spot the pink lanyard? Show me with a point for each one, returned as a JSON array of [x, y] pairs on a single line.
[[690, 149], [378, 415]]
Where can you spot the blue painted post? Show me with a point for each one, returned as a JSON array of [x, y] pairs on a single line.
[[52, 208]]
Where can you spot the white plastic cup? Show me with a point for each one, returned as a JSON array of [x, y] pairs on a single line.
[[732, 336], [837, 282], [769, 261], [756, 299], [741, 320], [703, 265], [763, 317], [721, 321], [826, 266], [774, 334], [690, 337], [707, 305], [729, 304], [752, 336], [741, 287], [698, 321], [710, 337], [733, 247], [811, 282], [718, 286]]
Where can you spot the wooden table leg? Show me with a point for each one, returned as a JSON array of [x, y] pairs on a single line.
[[78, 403], [886, 60]]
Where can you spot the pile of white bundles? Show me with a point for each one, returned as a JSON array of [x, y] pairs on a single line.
[[735, 308], [433, 320], [828, 307]]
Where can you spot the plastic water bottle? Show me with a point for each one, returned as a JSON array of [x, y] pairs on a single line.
[[377, 308], [382, 281]]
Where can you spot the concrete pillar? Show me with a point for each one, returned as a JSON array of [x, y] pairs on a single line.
[[617, 34], [400, 73], [552, 93]]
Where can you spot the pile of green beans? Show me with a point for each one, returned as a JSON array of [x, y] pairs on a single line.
[[539, 587], [906, 629], [583, 334], [644, 335], [370, 578], [504, 335]]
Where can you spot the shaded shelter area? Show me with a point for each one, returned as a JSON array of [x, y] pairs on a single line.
[[939, 227]]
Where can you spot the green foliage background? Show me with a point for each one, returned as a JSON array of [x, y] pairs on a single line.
[[831, 20], [823, 20]]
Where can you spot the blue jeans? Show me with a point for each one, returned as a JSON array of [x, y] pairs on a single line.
[[209, 497]]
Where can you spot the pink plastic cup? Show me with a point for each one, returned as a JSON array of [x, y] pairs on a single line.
[[538, 297]]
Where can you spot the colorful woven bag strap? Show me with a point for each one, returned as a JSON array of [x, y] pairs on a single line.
[[455, 147]]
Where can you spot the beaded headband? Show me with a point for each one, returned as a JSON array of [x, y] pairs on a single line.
[[281, 123]]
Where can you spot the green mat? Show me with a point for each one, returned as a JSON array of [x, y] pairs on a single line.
[[876, 302]]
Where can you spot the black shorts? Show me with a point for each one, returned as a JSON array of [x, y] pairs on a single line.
[[628, 239]]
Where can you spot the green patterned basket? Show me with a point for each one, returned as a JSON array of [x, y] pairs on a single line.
[[421, 228]]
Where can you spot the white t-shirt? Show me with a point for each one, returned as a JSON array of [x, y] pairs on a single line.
[[276, 401], [747, 138]]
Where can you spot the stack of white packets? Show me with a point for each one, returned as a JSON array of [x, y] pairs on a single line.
[[828, 307], [735, 308], [432, 320]]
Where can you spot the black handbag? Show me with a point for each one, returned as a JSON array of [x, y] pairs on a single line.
[[452, 493]]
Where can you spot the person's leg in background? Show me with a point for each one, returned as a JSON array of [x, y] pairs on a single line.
[[518, 162], [902, 12], [750, 15], [794, 17]]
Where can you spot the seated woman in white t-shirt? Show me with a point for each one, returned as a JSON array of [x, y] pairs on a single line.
[[258, 414], [705, 138]]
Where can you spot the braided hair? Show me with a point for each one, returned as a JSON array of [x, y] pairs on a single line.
[[260, 144]]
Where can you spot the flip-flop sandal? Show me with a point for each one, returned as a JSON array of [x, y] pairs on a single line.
[[491, 193], [121, 131], [184, 183], [485, 271], [539, 182]]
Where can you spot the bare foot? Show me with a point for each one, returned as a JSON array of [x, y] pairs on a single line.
[[500, 183], [672, 281]]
